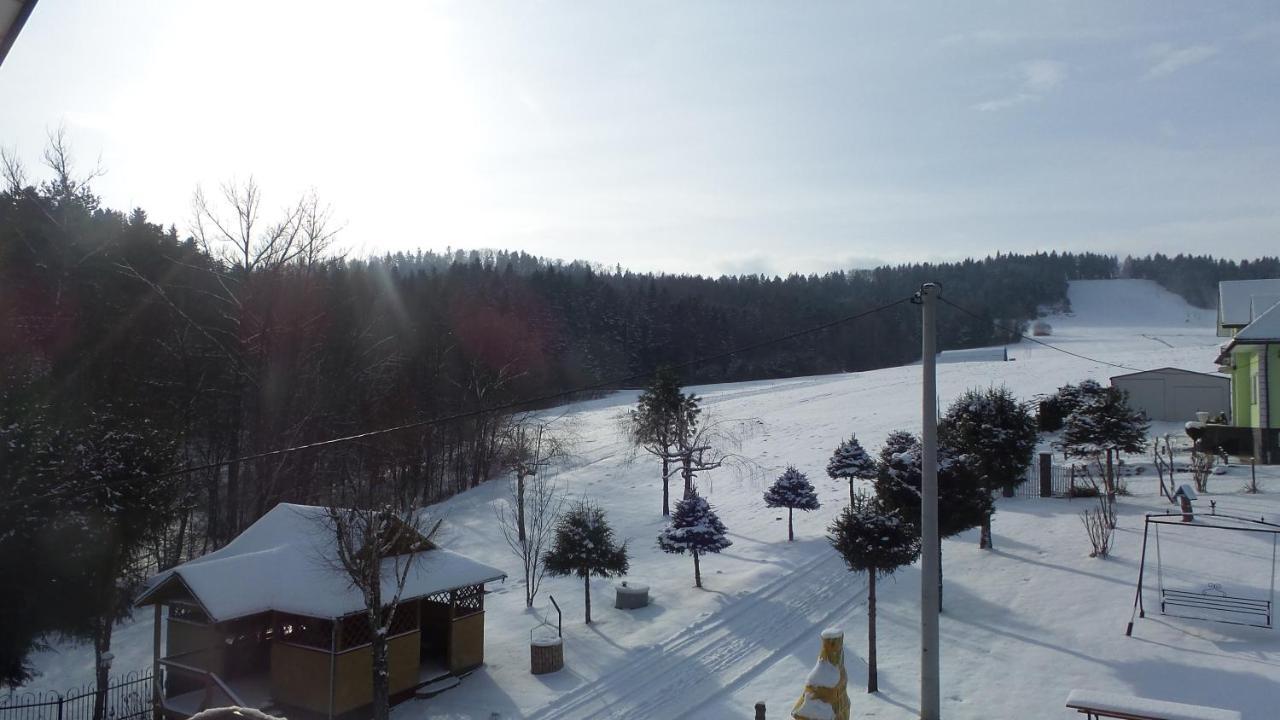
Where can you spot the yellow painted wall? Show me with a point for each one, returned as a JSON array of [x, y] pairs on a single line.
[[300, 677], [196, 645], [354, 687], [466, 644]]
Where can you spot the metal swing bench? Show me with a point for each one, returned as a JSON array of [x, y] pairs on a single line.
[[1235, 610]]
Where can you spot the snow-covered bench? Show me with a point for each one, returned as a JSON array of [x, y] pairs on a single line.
[[1126, 707]]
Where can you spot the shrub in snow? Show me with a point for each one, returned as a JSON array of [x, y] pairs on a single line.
[[999, 436], [1100, 527], [826, 696], [793, 491], [696, 529], [876, 540], [584, 546], [850, 461]]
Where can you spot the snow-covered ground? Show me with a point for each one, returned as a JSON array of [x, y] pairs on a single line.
[[1023, 625]]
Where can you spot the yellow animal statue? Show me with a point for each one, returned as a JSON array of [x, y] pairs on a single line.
[[825, 695]]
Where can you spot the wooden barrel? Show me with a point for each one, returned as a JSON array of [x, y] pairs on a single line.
[[546, 654]]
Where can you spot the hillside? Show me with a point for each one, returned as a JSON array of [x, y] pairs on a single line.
[[1023, 625]]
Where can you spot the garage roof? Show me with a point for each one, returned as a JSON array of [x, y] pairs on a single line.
[[1212, 376]]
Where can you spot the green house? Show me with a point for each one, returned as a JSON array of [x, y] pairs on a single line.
[[1252, 357]]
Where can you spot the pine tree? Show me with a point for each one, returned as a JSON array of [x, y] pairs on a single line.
[[875, 540], [695, 528], [999, 436], [1105, 425], [663, 416], [585, 546], [852, 462], [962, 501], [793, 491]]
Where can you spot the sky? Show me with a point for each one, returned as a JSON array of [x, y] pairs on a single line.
[[707, 137]]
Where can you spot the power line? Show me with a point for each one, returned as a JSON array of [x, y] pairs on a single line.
[[1038, 342], [536, 400]]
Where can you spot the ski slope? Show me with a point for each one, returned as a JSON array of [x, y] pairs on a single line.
[[1023, 625]]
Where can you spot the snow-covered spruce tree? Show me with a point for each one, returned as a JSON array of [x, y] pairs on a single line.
[[1102, 427], [962, 500], [695, 528], [584, 546], [999, 436], [852, 462], [793, 491], [876, 540]]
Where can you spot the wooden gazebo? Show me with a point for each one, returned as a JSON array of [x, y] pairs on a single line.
[[270, 622]]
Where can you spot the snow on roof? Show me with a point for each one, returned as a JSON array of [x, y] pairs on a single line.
[[286, 562], [1266, 327], [1169, 369], [1235, 299], [1259, 304]]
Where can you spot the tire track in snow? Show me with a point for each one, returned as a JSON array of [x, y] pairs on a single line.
[[675, 677]]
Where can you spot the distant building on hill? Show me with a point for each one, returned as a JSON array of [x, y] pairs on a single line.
[[1041, 328]]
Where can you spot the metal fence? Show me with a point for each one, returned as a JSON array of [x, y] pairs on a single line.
[[1056, 484], [126, 697]]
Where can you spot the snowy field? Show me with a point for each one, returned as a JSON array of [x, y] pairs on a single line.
[[1022, 626]]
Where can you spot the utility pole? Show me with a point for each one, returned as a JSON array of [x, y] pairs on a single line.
[[930, 548]]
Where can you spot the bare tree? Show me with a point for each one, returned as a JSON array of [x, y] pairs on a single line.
[[12, 170], [378, 527], [537, 506], [530, 446], [711, 445]]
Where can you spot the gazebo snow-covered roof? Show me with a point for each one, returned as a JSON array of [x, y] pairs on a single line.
[[286, 561]]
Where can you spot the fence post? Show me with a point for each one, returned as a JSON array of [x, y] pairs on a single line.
[[760, 711], [59, 707], [1046, 475]]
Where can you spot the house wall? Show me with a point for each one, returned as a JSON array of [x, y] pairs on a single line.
[[466, 643], [300, 677], [1244, 412], [353, 673], [1273, 384], [194, 644]]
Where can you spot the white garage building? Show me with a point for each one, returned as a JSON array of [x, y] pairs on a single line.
[[1175, 394]]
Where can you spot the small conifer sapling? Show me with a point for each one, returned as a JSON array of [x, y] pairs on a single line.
[[793, 491], [585, 546], [696, 529]]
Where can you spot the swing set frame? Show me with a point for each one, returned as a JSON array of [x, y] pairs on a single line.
[[1212, 597]]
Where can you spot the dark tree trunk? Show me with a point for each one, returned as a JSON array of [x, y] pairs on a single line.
[[1111, 481], [984, 536], [939, 573], [101, 654], [851, 491], [520, 506], [697, 571], [666, 487], [873, 684], [791, 533], [381, 675], [586, 589]]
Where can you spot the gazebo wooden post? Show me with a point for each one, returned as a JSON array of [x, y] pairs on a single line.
[[333, 661], [155, 664]]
